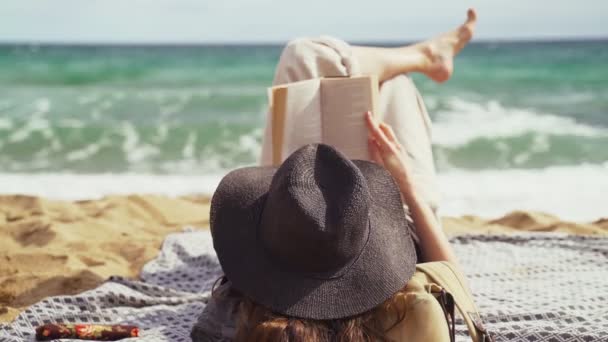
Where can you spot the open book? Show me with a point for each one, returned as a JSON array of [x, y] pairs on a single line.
[[322, 110]]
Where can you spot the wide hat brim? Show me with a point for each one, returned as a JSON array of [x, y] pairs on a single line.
[[384, 266]]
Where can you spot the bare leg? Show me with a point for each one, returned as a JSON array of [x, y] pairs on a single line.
[[433, 57], [400, 103]]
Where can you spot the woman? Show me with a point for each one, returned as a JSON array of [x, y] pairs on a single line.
[[400, 103], [320, 249]]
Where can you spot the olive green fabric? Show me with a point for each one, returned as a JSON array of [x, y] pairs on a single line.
[[447, 276], [424, 318]]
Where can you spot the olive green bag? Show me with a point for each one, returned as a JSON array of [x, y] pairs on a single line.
[[431, 297]]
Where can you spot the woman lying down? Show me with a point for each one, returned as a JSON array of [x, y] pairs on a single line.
[[320, 248]]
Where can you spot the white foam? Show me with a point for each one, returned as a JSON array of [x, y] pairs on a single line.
[[71, 123], [88, 99], [188, 150], [466, 121], [573, 193], [251, 143], [43, 105], [85, 152], [134, 151], [6, 124], [172, 108], [89, 186], [36, 123], [162, 130]]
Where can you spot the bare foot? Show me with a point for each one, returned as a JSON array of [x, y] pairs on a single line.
[[440, 51]]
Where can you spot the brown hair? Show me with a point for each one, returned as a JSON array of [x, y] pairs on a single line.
[[256, 323]]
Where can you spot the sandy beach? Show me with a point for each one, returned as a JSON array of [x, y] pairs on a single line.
[[51, 247]]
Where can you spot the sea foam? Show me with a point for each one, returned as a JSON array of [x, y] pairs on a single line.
[[574, 193], [465, 121]]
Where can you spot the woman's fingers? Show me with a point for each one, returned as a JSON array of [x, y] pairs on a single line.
[[388, 130], [369, 120], [372, 126], [374, 152], [377, 133]]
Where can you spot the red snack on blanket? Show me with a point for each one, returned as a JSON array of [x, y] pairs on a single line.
[[49, 332]]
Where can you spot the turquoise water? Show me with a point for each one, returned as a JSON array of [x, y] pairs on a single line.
[[190, 110], [519, 126]]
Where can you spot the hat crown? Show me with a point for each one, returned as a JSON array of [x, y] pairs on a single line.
[[316, 216]]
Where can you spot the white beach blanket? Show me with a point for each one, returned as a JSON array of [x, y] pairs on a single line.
[[532, 287]]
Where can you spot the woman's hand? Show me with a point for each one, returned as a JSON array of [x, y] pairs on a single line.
[[386, 151]]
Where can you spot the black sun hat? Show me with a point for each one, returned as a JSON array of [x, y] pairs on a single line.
[[320, 237]]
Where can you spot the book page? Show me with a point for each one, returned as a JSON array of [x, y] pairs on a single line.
[[343, 106], [300, 119]]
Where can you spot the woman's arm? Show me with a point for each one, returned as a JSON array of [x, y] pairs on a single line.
[[387, 151]]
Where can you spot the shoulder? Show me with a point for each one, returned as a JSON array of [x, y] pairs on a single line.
[[217, 322], [424, 318]]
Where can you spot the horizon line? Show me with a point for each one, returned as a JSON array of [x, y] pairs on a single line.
[[281, 42]]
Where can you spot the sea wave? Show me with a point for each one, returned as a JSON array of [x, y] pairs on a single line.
[[574, 193], [465, 121], [171, 135], [487, 135], [513, 122]]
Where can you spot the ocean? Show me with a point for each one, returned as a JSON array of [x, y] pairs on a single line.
[[521, 125]]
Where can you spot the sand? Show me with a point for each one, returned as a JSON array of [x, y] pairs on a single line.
[[50, 247]]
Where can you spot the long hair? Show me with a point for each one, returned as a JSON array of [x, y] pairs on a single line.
[[256, 323]]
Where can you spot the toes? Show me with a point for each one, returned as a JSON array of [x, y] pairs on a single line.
[[471, 15], [466, 30]]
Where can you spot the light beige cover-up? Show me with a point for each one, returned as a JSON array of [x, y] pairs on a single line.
[[400, 103]]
